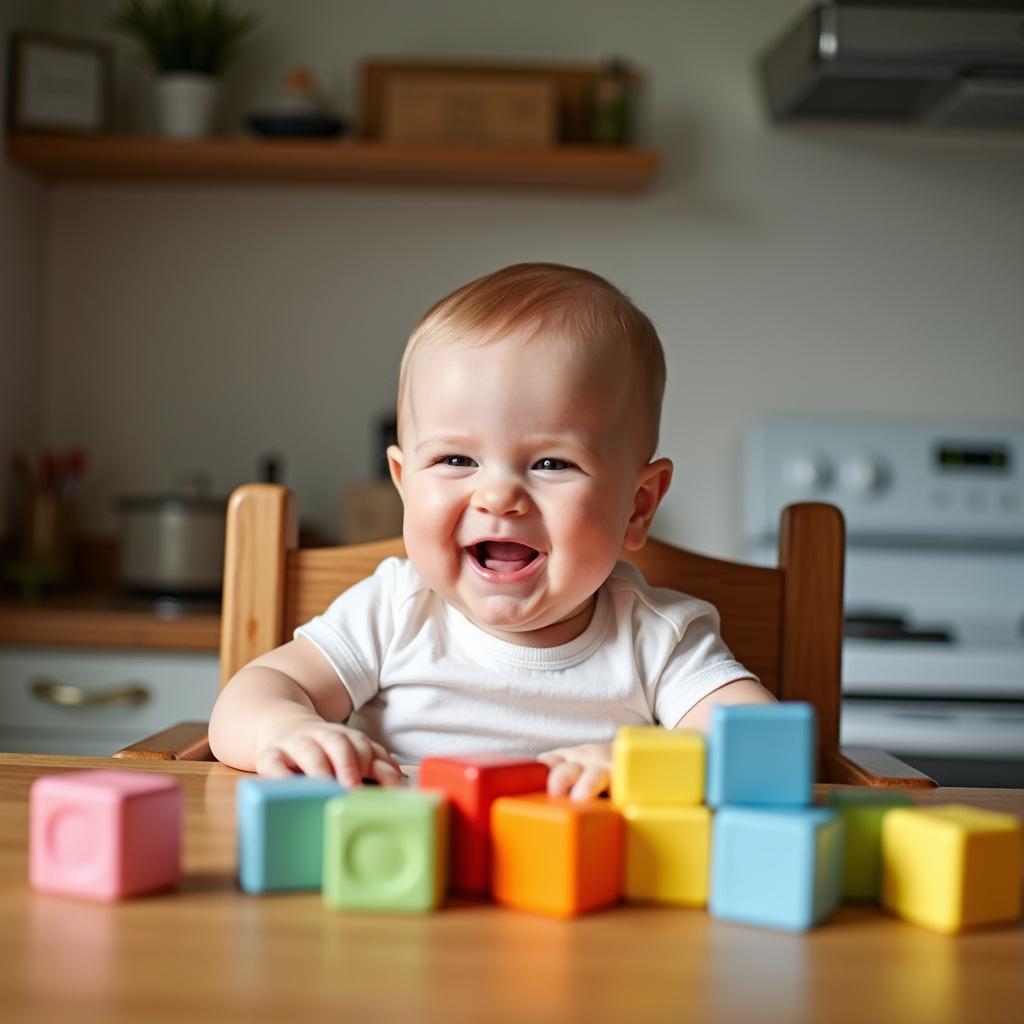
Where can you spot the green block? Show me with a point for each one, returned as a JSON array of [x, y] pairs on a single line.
[[385, 849], [862, 812]]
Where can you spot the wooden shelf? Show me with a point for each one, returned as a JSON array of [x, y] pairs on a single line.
[[347, 162], [95, 622]]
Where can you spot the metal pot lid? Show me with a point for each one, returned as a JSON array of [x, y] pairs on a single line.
[[191, 491], [161, 502]]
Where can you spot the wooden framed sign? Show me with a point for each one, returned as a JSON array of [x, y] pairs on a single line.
[[470, 110], [476, 101]]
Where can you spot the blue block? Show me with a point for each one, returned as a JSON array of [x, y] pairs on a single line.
[[762, 754], [777, 868], [281, 832]]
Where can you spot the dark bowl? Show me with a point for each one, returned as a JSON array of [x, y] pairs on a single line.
[[319, 126]]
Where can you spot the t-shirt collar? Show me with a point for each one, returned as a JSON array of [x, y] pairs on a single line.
[[559, 657]]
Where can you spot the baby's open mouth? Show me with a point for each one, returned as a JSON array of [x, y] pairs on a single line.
[[503, 555]]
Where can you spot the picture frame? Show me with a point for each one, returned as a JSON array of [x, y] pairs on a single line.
[[59, 84]]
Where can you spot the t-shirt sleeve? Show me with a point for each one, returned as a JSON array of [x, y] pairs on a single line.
[[356, 630], [697, 664]]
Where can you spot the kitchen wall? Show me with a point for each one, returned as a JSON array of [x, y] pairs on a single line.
[[23, 230], [814, 269]]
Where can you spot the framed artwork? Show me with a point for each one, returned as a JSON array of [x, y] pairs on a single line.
[[58, 84]]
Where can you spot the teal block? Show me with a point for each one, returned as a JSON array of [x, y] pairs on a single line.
[[862, 811], [776, 867], [281, 832], [386, 849], [762, 754]]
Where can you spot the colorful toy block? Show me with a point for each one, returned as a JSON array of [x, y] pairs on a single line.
[[651, 765], [951, 867], [105, 835], [386, 849], [472, 784], [777, 868], [762, 754], [556, 856], [862, 811], [667, 854], [281, 832]]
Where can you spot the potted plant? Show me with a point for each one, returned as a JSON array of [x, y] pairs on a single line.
[[189, 42]]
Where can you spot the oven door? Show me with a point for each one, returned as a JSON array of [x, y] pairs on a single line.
[[954, 711]]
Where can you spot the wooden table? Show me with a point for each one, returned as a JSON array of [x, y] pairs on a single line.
[[208, 952]]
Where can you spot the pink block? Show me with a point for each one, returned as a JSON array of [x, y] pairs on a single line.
[[103, 834]]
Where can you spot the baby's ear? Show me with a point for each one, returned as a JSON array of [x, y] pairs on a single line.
[[651, 486], [395, 465]]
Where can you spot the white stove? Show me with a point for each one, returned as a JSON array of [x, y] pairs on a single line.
[[933, 662]]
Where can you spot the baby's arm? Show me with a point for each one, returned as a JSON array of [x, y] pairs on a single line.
[[739, 691], [280, 713], [585, 771]]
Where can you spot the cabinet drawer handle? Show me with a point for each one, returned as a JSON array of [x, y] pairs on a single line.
[[64, 695]]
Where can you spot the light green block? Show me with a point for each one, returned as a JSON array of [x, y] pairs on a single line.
[[385, 849], [862, 812]]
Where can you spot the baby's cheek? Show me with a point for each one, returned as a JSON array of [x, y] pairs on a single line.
[[426, 511], [595, 526]]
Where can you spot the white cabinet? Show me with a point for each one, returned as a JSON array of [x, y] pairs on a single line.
[[88, 701]]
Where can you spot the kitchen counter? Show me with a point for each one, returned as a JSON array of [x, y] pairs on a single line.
[[208, 952], [103, 620]]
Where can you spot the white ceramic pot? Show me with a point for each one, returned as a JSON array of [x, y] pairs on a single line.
[[172, 543], [186, 104]]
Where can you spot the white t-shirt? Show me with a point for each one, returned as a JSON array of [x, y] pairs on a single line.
[[424, 680]]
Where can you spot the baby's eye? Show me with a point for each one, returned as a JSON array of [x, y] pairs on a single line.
[[552, 464], [459, 461]]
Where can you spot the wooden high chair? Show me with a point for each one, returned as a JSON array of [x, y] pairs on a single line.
[[785, 624]]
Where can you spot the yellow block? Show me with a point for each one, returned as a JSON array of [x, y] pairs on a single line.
[[651, 765], [951, 867], [668, 850]]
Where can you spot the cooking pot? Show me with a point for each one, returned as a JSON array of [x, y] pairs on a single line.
[[173, 543]]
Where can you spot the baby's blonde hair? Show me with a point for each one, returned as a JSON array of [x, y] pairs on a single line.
[[588, 311]]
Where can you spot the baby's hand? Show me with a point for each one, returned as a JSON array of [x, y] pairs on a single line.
[[583, 772], [325, 750]]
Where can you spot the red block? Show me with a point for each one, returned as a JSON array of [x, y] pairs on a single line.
[[472, 784]]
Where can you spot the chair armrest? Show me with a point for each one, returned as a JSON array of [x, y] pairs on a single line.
[[186, 741], [864, 766]]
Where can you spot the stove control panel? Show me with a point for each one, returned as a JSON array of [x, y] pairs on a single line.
[[897, 481]]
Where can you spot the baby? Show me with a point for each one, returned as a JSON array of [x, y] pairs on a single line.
[[528, 410]]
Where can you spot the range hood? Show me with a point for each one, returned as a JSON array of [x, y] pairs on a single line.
[[953, 64]]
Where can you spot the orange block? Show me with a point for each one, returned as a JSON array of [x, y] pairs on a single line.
[[556, 856]]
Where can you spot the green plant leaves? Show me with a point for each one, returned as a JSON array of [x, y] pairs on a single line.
[[185, 35]]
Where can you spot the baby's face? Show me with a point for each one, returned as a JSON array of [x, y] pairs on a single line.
[[518, 469]]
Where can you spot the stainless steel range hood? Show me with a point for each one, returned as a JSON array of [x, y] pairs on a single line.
[[954, 64]]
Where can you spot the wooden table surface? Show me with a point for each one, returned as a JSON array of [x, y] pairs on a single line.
[[208, 952]]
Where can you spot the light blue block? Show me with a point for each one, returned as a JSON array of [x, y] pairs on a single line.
[[762, 754], [777, 868], [281, 832]]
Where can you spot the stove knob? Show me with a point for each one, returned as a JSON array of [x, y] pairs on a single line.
[[809, 471], [865, 474]]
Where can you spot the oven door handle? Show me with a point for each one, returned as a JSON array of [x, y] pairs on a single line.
[[67, 695]]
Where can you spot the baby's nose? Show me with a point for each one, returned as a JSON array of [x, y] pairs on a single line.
[[500, 495]]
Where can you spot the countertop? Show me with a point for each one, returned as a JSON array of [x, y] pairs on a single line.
[[209, 952], [101, 619]]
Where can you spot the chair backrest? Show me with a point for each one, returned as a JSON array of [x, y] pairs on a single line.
[[784, 623]]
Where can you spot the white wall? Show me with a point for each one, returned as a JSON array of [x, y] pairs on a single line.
[[812, 269], [22, 234]]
